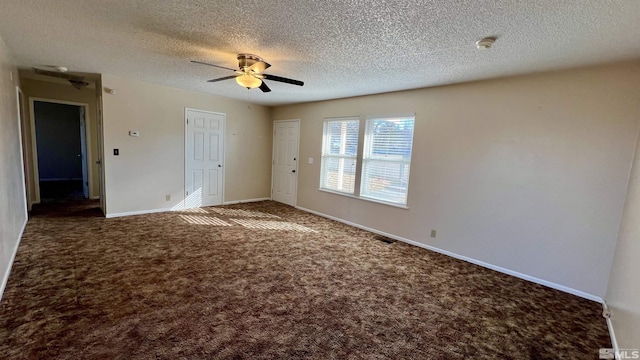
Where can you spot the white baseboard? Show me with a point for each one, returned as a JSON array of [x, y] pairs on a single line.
[[546, 283], [245, 201], [94, 197], [177, 208], [612, 334], [139, 212], [7, 271]]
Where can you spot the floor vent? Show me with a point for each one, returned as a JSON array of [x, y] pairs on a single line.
[[385, 239]]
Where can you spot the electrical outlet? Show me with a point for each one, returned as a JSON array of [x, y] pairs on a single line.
[[168, 197], [433, 233]]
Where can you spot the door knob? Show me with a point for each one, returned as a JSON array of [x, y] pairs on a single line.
[[293, 171], [219, 165]]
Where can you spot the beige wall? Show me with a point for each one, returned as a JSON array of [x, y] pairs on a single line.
[[57, 91], [152, 165], [526, 173], [623, 295], [13, 212]]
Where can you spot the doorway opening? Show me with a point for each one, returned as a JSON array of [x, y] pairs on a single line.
[[60, 156]]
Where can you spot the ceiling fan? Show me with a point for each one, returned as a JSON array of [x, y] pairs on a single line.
[[250, 73], [76, 81]]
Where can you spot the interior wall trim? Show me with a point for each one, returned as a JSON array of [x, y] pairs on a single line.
[[139, 212], [142, 212], [607, 315], [245, 201]]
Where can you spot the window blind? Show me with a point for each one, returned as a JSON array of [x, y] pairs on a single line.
[[339, 154], [386, 159]]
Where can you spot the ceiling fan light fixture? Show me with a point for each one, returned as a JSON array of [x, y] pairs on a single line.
[[248, 81], [250, 73]]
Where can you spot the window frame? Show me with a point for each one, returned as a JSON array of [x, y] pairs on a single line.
[[360, 157], [368, 157], [326, 153]]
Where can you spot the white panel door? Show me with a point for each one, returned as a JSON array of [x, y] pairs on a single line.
[[204, 147], [285, 161]]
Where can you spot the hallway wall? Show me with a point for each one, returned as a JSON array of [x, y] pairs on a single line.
[[13, 206]]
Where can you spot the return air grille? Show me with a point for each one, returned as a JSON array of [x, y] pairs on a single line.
[[385, 239]]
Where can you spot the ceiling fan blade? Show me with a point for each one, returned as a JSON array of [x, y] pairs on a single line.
[[259, 66], [264, 87], [218, 66], [62, 75], [282, 79], [223, 78]]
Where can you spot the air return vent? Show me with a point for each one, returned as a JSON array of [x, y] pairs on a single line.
[[385, 239]]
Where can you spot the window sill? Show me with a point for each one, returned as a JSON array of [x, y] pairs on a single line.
[[401, 206]]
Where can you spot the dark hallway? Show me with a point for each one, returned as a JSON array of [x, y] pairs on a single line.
[[61, 147], [62, 190]]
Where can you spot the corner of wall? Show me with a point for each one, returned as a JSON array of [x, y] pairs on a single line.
[[623, 295], [7, 271]]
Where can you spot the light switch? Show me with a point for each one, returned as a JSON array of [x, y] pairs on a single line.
[[310, 160]]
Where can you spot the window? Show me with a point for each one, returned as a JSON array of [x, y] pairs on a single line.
[[339, 155], [379, 170], [386, 159]]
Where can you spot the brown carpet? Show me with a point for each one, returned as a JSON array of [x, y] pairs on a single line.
[[266, 281]]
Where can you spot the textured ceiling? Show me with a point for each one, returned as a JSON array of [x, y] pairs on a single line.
[[338, 48]]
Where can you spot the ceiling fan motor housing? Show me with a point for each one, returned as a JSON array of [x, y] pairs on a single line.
[[246, 60]]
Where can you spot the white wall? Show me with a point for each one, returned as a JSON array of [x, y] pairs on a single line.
[[13, 211], [152, 165], [526, 173], [623, 294]]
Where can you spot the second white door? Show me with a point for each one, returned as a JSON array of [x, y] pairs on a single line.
[[204, 173], [285, 161]]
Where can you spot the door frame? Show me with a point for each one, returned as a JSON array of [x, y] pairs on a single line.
[[100, 162], [34, 145], [186, 160], [23, 151], [273, 158], [84, 149]]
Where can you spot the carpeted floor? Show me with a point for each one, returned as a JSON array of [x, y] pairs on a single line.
[[266, 281]]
